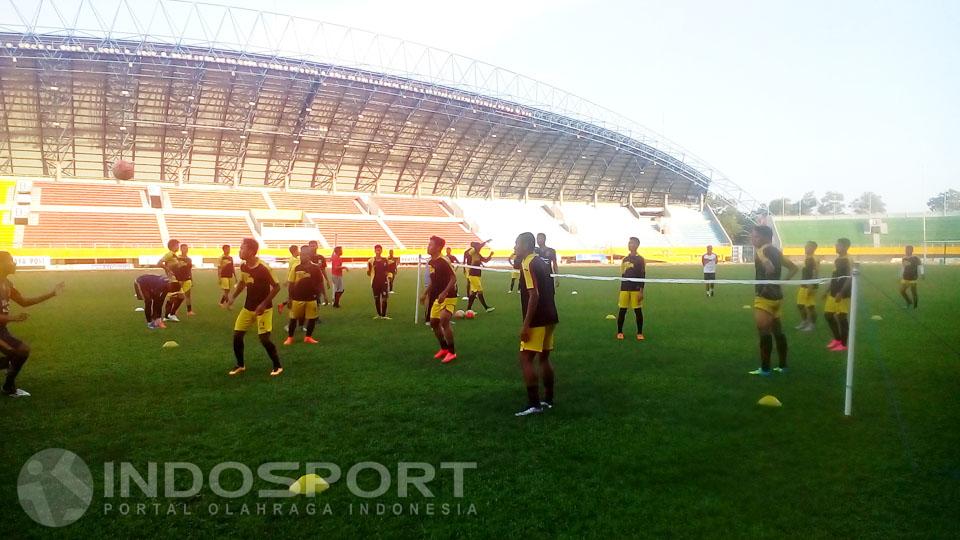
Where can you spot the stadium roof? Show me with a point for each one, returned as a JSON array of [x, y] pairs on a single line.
[[201, 93]]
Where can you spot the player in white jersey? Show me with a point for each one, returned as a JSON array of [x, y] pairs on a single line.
[[709, 261]]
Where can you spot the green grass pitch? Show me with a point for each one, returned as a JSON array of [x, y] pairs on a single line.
[[648, 439]]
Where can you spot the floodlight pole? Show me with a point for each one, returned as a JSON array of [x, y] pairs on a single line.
[[851, 339]]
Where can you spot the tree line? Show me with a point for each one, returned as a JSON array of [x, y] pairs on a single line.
[[832, 203]]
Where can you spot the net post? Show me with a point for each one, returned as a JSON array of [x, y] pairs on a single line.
[[416, 298], [851, 339]]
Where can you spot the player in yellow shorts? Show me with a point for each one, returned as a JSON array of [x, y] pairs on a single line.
[[768, 265], [225, 273], [909, 274], [183, 272], [170, 262], [472, 257], [515, 273], [261, 289], [838, 298], [539, 312], [393, 268], [633, 266], [807, 294], [304, 283], [186, 265], [441, 296]]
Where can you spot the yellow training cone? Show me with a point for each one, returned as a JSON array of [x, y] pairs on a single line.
[[309, 484], [170, 345], [877, 318], [769, 401], [747, 307], [611, 317]]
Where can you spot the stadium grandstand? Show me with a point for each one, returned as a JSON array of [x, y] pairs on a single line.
[[244, 123], [874, 237]]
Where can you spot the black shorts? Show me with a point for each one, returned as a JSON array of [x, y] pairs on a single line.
[[380, 289], [7, 341], [711, 276]]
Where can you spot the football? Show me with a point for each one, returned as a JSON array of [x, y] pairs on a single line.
[[470, 314], [123, 170], [458, 314]]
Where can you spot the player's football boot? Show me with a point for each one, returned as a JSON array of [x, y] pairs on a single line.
[[761, 372], [276, 371], [16, 392], [839, 347], [833, 343], [620, 336], [173, 318], [288, 341], [161, 324], [640, 337], [440, 354], [310, 340], [491, 309], [546, 405], [236, 370], [529, 410], [450, 357], [780, 369]]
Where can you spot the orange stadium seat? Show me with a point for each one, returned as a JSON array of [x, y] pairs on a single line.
[[416, 234], [225, 199], [354, 233], [410, 207], [88, 229], [207, 230], [58, 194], [318, 204]]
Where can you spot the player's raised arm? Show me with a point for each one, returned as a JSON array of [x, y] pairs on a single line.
[[27, 302]]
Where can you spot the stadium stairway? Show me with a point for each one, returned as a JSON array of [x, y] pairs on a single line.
[[691, 227]]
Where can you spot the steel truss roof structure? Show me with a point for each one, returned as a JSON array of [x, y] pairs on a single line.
[[200, 93]]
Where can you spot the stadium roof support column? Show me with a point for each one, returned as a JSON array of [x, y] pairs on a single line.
[[119, 110], [238, 118], [181, 106], [6, 153], [55, 111]]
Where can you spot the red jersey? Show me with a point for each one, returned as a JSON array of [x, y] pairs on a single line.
[[336, 265]]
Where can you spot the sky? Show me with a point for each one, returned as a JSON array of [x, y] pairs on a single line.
[[782, 97]]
